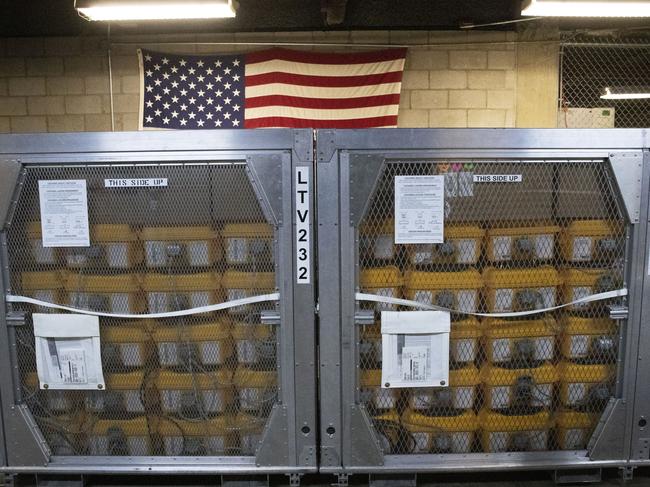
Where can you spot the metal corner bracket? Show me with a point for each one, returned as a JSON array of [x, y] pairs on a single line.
[[628, 168]]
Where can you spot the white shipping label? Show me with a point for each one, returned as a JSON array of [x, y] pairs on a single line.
[[415, 361], [419, 209], [135, 183], [72, 365], [64, 213], [303, 237], [498, 178]]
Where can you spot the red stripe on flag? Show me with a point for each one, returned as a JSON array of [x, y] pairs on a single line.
[[323, 81], [356, 123], [278, 53], [322, 103]]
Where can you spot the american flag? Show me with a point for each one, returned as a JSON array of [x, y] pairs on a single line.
[[271, 88]]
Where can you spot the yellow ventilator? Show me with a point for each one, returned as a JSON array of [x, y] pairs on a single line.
[[249, 430], [126, 437], [529, 243], [204, 437], [587, 240], [248, 243], [41, 255], [521, 342], [370, 346], [45, 286], [383, 281], [196, 246], [371, 393], [126, 345], [207, 344], [461, 245], [528, 289], [458, 291], [461, 393], [112, 245], [194, 395], [256, 389], [523, 389], [118, 294], [241, 285], [174, 292], [254, 343], [585, 385], [124, 393], [515, 433], [589, 338], [378, 241], [573, 429], [441, 434], [581, 283], [56, 400], [464, 341]]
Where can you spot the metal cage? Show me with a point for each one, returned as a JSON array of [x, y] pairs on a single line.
[[231, 391], [551, 390]]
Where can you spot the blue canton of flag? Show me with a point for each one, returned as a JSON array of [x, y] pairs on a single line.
[[192, 92]]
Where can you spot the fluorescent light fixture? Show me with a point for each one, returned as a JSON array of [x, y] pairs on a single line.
[[586, 8], [122, 10], [623, 93]]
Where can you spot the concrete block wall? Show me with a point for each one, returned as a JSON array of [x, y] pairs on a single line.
[[451, 79]]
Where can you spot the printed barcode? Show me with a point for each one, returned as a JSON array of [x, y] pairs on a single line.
[[73, 377]]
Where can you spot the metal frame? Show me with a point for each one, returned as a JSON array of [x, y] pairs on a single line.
[[288, 444], [351, 161]]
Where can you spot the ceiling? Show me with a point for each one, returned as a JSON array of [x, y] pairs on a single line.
[[58, 17]]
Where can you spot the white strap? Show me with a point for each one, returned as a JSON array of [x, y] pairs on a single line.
[[10, 298], [415, 304]]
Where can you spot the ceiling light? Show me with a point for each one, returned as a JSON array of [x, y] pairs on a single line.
[[586, 8], [621, 93], [120, 10]]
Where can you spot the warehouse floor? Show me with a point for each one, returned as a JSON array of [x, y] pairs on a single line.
[[512, 479]]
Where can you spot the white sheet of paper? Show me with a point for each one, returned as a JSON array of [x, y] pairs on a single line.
[[419, 209], [64, 213], [415, 351], [68, 353]]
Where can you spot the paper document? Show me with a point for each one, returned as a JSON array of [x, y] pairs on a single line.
[[64, 213], [419, 209]]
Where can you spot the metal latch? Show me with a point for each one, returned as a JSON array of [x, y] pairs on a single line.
[[364, 317], [618, 312], [270, 317], [16, 318]]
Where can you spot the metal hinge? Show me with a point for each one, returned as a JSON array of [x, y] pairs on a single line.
[[364, 317], [618, 312], [270, 317], [16, 318]]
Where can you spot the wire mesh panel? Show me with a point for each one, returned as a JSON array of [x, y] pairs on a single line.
[[533, 383], [197, 385], [590, 66]]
